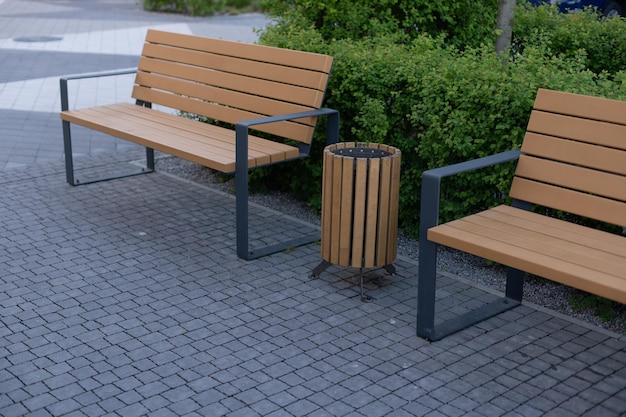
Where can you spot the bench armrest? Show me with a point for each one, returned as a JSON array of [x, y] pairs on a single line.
[[241, 161], [63, 81], [431, 185], [332, 132], [241, 130]]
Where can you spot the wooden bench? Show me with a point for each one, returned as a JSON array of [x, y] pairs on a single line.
[[573, 159], [241, 86]]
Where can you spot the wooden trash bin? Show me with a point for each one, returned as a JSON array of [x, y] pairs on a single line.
[[361, 184]]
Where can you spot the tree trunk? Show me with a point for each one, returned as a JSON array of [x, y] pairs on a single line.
[[504, 24]]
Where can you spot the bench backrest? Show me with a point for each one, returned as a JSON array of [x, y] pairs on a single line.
[[232, 81], [574, 156]]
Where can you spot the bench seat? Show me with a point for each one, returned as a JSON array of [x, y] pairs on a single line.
[[567, 253], [209, 145]]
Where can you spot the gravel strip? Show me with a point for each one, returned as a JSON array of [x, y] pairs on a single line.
[[536, 290]]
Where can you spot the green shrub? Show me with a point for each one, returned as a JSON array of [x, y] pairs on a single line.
[[602, 41], [602, 307], [439, 104], [462, 22], [201, 7], [192, 7]]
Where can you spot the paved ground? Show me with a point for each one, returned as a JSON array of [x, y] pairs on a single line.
[[125, 298]]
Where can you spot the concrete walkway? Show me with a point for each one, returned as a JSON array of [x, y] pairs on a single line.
[[125, 298]]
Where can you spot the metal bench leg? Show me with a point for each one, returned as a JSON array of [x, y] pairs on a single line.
[[67, 148], [427, 277], [426, 287], [514, 284], [69, 162], [149, 159], [241, 202], [242, 207]]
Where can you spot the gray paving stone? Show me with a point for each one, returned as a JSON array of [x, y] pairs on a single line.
[[125, 298]]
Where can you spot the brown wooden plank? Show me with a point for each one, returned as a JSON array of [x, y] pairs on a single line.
[[513, 239], [198, 61], [371, 227], [383, 211], [327, 204], [347, 201], [530, 260], [289, 130], [205, 131], [174, 72], [213, 157], [546, 241], [336, 209], [188, 133], [576, 128], [394, 206], [579, 153], [288, 57], [567, 231], [215, 162], [227, 97], [573, 177], [578, 105], [277, 151], [210, 141], [574, 202], [358, 223]]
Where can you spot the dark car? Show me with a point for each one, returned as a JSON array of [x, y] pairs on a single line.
[[609, 8]]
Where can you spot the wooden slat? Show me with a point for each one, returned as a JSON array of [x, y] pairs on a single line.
[[371, 227], [327, 212], [567, 231], [566, 262], [229, 98], [279, 92], [207, 132], [262, 150], [107, 125], [584, 154], [608, 110], [347, 201], [231, 81], [514, 238], [213, 145], [298, 59], [171, 128], [303, 77], [290, 130], [577, 128], [394, 208], [384, 196], [336, 210], [573, 177], [547, 241], [358, 221], [538, 264], [570, 201]]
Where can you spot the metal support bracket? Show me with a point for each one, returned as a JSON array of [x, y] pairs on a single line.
[[241, 181], [322, 266], [67, 136], [427, 269]]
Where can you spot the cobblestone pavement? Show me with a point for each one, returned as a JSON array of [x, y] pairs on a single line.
[[125, 298]]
